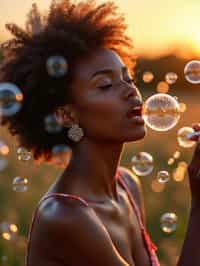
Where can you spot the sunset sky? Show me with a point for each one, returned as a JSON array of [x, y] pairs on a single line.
[[155, 25]]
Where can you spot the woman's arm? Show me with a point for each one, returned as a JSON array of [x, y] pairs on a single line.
[[190, 255], [68, 233]]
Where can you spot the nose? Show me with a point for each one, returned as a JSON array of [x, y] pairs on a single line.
[[131, 91]]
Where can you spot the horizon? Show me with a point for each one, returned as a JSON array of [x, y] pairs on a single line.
[[156, 28]]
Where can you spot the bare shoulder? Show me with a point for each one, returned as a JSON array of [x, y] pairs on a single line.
[[135, 188], [71, 234]]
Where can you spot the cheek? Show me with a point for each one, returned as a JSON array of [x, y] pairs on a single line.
[[99, 116]]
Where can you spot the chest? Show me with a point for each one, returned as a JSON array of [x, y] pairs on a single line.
[[122, 225]]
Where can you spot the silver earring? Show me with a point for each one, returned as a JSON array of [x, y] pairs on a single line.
[[75, 133]]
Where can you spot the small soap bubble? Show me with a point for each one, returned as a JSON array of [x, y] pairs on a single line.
[[170, 161], [163, 176], [142, 163], [56, 66], [52, 125], [161, 112], [162, 87], [168, 222], [20, 184], [23, 154], [176, 154], [10, 99], [148, 76], [182, 107], [171, 77], [4, 149], [8, 231], [192, 72], [3, 163], [183, 139]]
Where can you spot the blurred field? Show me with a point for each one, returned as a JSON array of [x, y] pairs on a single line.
[[18, 207]]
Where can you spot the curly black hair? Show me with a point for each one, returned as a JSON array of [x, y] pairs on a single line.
[[70, 30]]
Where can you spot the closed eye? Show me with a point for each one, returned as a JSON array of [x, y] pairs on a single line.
[[110, 85]]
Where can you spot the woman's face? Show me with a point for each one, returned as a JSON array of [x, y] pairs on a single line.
[[102, 111]]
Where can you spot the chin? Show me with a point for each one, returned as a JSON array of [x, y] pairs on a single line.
[[137, 135]]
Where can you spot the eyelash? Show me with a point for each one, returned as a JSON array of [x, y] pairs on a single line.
[[110, 85]]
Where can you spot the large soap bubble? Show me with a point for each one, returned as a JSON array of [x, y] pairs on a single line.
[[161, 112], [10, 99], [192, 71]]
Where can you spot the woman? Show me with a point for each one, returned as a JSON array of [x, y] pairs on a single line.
[[93, 214]]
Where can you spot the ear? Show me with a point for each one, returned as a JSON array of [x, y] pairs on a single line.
[[65, 115]]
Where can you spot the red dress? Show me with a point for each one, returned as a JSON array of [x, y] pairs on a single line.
[[148, 244]]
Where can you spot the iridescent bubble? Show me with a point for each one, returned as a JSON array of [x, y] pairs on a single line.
[[183, 139], [147, 76], [142, 164], [161, 112], [171, 77], [192, 72], [4, 149], [8, 231], [20, 184], [56, 66], [168, 222], [23, 154], [52, 125], [3, 163], [10, 99], [61, 155], [163, 176]]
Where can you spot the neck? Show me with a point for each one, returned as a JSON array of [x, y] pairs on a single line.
[[92, 170]]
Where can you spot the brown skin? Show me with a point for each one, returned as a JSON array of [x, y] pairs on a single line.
[[107, 233]]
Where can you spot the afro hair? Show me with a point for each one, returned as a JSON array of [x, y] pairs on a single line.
[[70, 30]]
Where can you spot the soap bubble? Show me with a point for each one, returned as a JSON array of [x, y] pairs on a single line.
[[192, 72], [182, 107], [161, 112], [171, 77], [20, 184], [163, 176], [183, 139], [162, 87], [147, 76], [52, 125], [4, 149], [8, 231], [56, 66], [170, 161], [176, 154], [10, 99], [23, 154], [142, 163], [168, 222]]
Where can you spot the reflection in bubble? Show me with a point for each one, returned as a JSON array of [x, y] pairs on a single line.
[[142, 164], [161, 112], [20, 184]]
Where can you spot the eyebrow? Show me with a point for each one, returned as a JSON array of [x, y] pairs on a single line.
[[107, 71]]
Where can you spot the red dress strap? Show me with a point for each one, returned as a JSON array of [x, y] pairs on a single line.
[[150, 246]]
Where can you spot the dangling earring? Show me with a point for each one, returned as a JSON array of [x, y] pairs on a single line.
[[75, 133]]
